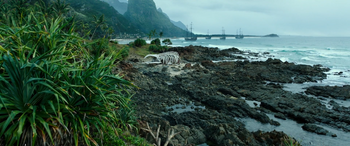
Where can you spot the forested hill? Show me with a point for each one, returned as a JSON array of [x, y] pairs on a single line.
[[88, 8], [121, 7], [145, 16], [140, 18]]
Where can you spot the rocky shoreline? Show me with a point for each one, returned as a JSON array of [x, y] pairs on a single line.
[[204, 100]]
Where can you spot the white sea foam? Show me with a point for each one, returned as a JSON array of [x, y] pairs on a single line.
[[219, 46], [284, 59]]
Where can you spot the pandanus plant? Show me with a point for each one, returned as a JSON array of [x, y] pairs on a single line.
[[51, 101], [51, 91]]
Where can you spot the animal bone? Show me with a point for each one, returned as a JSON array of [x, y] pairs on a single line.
[[171, 135], [170, 57]]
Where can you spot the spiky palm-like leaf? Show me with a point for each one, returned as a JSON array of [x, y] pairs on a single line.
[[98, 22], [52, 92], [29, 96]]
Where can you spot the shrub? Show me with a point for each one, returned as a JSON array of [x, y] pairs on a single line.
[[156, 42], [58, 96], [99, 47], [157, 49], [153, 48], [114, 41], [139, 42], [131, 44], [167, 42], [124, 53], [164, 48], [116, 137]]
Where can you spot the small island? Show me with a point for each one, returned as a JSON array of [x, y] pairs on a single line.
[[271, 35]]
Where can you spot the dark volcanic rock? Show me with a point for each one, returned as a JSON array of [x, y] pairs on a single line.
[[199, 53], [192, 135], [210, 96], [271, 138], [336, 92], [318, 130], [280, 116]]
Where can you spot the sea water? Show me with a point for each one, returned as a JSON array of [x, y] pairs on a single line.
[[331, 52]]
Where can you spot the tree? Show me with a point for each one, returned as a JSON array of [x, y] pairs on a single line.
[[167, 42], [139, 42], [149, 35], [60, 8], [160, 34], [156, 42], [98, 22], [154, 32], [110, 32]]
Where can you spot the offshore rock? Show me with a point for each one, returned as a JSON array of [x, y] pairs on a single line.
[[318, 130]]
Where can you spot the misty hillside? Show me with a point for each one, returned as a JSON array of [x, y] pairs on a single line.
[[88, 8], [178, 23], [121, 7], [145, 16], [141, 17]]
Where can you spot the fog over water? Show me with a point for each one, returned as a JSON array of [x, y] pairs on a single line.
[[287, 17]]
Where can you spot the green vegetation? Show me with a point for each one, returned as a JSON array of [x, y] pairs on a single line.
[[145, 16], [57, 88], [289, 141], [121, 7], [156, 42], [156, 45], [167, 42], [124, 53], [157, 49], [140, 51], [151, 34], [139, 42], [85, 10], [153, 48], [125, 139], [161, 34], [98, 22]]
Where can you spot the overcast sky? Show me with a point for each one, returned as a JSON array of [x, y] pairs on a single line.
[[283, 17]]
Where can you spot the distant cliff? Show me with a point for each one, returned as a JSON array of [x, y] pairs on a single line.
[[178, 23], [121, 7], [145, 16]]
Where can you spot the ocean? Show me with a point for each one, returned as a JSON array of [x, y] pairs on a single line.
[[331, 52]]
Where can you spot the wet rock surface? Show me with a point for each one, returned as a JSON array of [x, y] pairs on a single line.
[[271, 138], [211, 96], [318, 130], [336, 92]]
